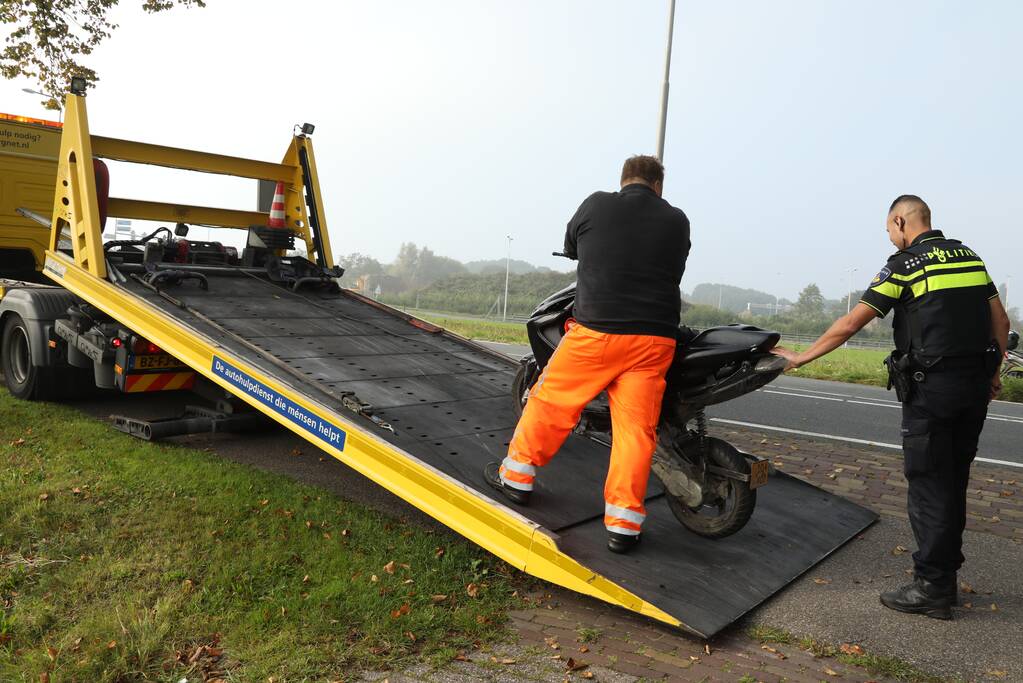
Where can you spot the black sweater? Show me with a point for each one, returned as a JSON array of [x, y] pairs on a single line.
[[632, 248]]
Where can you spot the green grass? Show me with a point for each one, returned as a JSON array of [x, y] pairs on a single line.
[[858, 366], [489, 330], [119, 558]]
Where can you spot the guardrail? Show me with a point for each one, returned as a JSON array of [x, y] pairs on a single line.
[[803, 339]]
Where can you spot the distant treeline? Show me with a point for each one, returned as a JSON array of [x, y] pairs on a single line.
[[422, 279]]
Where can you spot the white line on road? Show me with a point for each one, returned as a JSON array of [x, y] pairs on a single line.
[[847, 439], [816, 398], [811, 391], [872, 403]]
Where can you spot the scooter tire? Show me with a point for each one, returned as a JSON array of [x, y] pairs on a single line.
[[740, 502]]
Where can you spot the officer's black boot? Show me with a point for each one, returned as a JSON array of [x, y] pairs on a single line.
[[492, 473], [921, 597], [621, 543]]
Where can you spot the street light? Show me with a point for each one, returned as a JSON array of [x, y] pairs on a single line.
[[848, 295], [60, 110], [507, 270], [664, 87]]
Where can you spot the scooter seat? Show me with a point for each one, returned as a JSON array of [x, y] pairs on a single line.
[[718, 346], [746, 337]]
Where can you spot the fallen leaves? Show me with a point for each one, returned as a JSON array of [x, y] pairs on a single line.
[[774, 651], [18, 442], [437, 599], [438, 552], [831, 672], [401, 611], [821, 581], [552, 643], [851, 649], [966, 588], [472, 590], [44, 496], [389, 567], [898, 550]]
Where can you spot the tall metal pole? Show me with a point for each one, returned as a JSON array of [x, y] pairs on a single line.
[[848, 295], [664, 88], [507, 270]]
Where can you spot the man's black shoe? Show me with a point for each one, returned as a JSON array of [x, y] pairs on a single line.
[[920, 597], [621, 543], [492, 473]]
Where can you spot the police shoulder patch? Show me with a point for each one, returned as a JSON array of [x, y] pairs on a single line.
[[885, 273]]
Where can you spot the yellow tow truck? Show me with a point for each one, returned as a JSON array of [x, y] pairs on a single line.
[[264, 332]]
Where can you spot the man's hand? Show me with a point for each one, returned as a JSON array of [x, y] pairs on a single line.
[[788, 354], [996, 387]]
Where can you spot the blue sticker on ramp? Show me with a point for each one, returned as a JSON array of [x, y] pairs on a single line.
[[329, 433]]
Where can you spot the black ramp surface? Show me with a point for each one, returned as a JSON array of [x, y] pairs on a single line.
[[450, 406], [709, 584]]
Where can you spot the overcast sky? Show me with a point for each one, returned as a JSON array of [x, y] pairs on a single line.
[[792, 123]]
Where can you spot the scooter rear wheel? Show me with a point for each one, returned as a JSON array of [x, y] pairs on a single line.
[[727, 503]]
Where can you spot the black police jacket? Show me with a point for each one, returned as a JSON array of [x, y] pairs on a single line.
[[939, 289]]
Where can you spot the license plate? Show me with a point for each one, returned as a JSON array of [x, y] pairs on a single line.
[[153, 361], [758, 472]]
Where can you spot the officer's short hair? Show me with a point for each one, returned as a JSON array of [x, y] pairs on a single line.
[[648, 168], [913, 203]]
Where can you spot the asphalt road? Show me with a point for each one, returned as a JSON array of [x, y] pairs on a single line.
[[847, 412]]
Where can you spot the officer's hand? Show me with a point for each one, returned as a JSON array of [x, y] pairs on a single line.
[[788, 354], [996, 387]]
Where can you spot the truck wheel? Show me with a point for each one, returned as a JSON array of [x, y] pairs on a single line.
[[727, 503], [24, 380]]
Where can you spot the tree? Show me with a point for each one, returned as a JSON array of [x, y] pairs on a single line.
[[358, 265], [810, 303], [47, 38]]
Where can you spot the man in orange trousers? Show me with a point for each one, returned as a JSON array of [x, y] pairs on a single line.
[[632, 247]]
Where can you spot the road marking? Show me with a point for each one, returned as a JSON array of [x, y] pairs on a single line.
[[816, 398], [847, 439], [1005, 418], [871, 403], [811, 391]]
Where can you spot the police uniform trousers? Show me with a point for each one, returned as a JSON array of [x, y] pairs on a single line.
[[941, 424]]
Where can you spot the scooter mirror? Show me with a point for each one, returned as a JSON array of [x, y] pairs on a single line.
[[1013, 340]]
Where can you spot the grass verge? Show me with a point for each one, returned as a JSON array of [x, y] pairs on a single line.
[[858, 366], [847, 653], [122, 560]]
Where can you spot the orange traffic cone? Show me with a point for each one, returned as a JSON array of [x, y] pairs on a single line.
[[277, 208]]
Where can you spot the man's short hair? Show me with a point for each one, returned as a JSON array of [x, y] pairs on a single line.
[[911, 203], [648, 168]]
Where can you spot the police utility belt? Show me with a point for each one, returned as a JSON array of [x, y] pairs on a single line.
[[906, 370]]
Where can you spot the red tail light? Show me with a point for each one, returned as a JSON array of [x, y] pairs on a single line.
[[140, 346], [116, 342]]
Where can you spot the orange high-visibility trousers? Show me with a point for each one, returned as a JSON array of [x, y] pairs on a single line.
[[632, 369]]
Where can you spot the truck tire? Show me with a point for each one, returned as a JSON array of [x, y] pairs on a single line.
[[24, 380]]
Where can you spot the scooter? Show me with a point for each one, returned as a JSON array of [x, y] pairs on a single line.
[[1012, 365], [710, 486]]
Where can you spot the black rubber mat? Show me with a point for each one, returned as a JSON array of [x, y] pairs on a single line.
[[449, 403], [710, 584]]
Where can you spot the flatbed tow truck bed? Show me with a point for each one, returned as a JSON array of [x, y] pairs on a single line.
[[418, 410], [449, 405]]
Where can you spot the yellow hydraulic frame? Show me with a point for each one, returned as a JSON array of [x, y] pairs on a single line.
[[495, 527]]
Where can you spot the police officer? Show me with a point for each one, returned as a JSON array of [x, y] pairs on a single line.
[[951, 332]]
